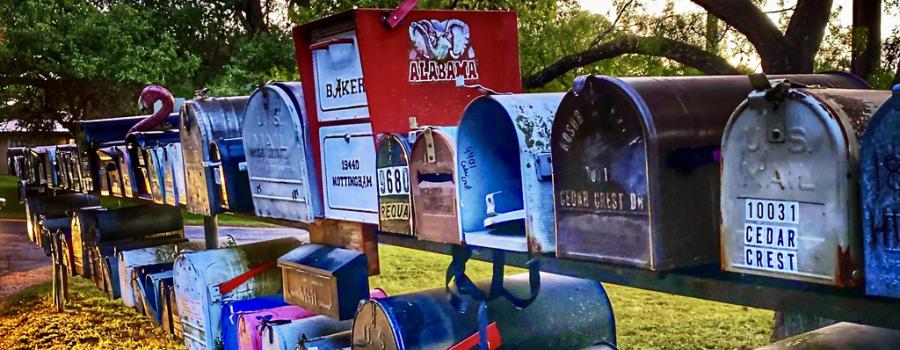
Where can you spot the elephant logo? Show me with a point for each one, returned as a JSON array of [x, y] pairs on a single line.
[[441, 51]]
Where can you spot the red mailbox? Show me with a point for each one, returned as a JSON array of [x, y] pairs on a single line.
[[363, 78]]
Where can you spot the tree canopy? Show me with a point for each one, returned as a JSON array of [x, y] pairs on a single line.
[[66, 60]]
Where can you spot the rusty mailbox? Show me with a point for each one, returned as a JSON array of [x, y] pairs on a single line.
[[392, 179], [505, 189], [366, 78], [283, 180], [635, 169], [433, 181], [203, 121], [880, 163], [325, 280], [790, 177]]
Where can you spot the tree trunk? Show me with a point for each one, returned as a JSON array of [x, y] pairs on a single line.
[[866, 38]]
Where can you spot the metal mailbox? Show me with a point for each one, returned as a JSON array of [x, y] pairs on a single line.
[[635, 168], [104, 257], [53, 207], [233, 310], [156, 174], [204, 279], [790, 172], [203, 121], [250, 324], [286, 336], [505, 189], [395, 209], [326, 280], [94, 226], [176, 193], [283, 180], [433, 181], [129, 259], [569, 313], [109, 174], [880, 161], [231, 183], [128, 178], [145, 170], [378, 76]]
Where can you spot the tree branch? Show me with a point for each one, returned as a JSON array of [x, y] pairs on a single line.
[[678, 51], [807, 27], [748, 19]]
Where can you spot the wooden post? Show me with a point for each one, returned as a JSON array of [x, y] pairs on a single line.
[[211, 231], [349, 235]]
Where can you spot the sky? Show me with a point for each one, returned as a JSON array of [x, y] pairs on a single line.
[[605, 7], [889, 20]]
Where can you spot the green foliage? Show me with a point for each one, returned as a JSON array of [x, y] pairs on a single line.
[[65, 60], [256, 60]]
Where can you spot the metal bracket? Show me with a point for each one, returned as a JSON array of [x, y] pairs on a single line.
[[543, 166], [429, 146]]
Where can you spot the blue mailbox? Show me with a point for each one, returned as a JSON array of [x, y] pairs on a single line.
[[880, 189], [128, 177], [326, 280], [173, 179], [231, 186], [505, 188], [203, 121], [108, 171], [280, 164], [145, 167]]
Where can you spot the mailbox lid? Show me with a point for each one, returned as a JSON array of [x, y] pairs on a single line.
[[203, 121], [392, 176], [433, 182], [880, 203], [809, 171], [326, 280], [505, 186], [283, 179], [348, 170]]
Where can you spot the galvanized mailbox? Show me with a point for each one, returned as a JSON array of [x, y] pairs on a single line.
[[880, 160], [129, 259], [505, 189], [325, 280], [203, 280], [790, 172], [109, 175], [283, 180], [358, 70], [175, 193], [204, 120], [432, 169], [129, 185], [145, 169], [156, 174], [627, 155], [231, 183], [569, 313], [392, 180]]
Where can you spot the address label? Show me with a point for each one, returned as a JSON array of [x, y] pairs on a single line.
[[770, 235], [393, 181]]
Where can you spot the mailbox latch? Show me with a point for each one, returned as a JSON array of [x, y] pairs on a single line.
[[429, 146], [543, 166]]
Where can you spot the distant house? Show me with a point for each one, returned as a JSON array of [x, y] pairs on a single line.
[[13, 135]]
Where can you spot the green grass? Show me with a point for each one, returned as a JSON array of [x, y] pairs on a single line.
[[645, 320], [9, 189]]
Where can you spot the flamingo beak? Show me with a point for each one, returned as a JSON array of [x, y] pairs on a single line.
[[141, 105]]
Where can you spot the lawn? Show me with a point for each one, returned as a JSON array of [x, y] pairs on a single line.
[[645, 320]]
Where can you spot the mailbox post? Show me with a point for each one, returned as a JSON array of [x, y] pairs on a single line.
[[790, 172]]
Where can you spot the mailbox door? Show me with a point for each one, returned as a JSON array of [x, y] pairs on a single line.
[[600, 169], [338, 75], [348, 170], [504, 172], [157, 173], [789, 200], [880, 160], [171, 196], [282, 180], [178, 171], [124, 164], [202, 122], [433, 183], [394, 200], [232, 182]]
